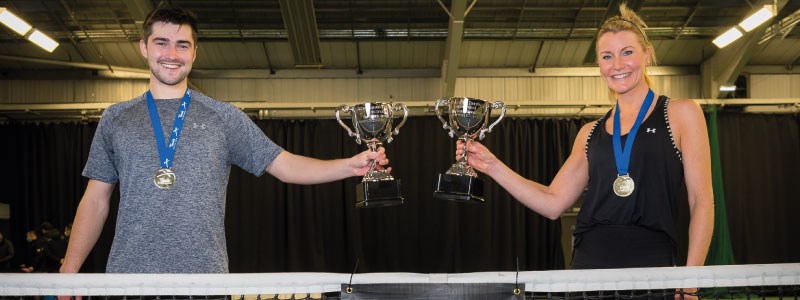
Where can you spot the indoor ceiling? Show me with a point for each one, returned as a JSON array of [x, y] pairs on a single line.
[[384, 34]]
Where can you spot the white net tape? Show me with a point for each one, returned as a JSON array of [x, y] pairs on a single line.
[[15, 284]]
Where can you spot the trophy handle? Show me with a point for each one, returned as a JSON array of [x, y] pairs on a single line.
[[443, 101], [346, 108], [396, 107], [495, 105]]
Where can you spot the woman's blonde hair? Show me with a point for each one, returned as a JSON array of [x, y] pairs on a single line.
[[630, 21]]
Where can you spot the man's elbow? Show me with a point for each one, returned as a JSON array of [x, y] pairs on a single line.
[[552, 215]]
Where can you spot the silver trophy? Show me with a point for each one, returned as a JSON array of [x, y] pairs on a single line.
[[466, 120], [373, 124]]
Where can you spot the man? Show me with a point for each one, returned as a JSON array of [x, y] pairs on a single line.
[[172, 198], [6, 254], [54, 248], [35, 252]]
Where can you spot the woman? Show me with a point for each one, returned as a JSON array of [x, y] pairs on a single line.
[[632, 163]]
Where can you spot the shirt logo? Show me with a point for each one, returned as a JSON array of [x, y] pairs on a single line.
[[651, 130], [201, 125]]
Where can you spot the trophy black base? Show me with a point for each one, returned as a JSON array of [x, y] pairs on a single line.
[[459, 188], [378, 193]]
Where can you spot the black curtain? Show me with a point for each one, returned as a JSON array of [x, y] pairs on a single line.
[[760, 163], [40, 163], [275, 227]]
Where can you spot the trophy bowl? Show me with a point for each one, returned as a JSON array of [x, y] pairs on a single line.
[[466, 120], [373, 124]]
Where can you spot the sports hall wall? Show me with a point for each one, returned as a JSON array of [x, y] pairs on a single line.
[[276, 227]]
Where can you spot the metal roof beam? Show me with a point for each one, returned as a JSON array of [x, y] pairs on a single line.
[[613, 10], [139, 10], [725, 65], [300, 21], [688, 19], [452, 54], [71, 14], [782, 27]]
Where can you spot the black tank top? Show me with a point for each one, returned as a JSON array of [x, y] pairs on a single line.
[[656, 168]]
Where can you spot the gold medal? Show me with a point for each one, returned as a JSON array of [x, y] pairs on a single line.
[[623, 185], [164, 179]]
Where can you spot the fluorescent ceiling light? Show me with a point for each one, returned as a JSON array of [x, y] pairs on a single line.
[[727, 88], [12, 21], [727, 37], [758, 18], [42, 40]]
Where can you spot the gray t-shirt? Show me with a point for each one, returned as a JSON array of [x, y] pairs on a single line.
[[179, 230]]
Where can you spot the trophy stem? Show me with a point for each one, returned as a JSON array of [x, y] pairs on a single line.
[[463, 159], [374, 174], [462, 167], [373, 146], [378, 188]]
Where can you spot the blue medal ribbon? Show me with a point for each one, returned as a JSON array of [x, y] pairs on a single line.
[[623, 158], [166, 148]]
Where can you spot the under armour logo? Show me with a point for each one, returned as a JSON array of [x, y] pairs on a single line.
[[201, 126], [651, 130]]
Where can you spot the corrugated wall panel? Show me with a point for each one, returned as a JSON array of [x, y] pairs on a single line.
[[239, 55], [207, 57], [596, 88], [678, 87], [468, 55], [511, 54], [88, 51], [367, 57], [498, 53], [22, 93], [552, 53], [433, 54], [125, 54], [220, 88], [233, 54], [243, 55], [777, 51], [333, 54], [511, 90], [563, 88], [60, 91], [680, 52], [343, 92], [526, 54], [373, 55], [394, 54], [485, 54], [280, 55], [347, 90], [264, 90], [235, 92], [250, 91], [775, 86], [69, 91], [322, 90], [6, 90]]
